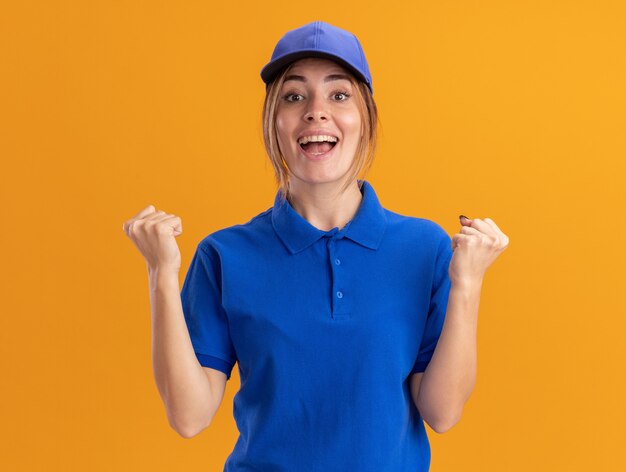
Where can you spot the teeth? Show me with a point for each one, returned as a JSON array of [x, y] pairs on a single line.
[[319, 139]]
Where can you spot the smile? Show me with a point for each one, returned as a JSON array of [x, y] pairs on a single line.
[[318, 156], [317, 146]]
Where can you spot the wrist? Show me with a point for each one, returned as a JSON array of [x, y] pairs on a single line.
[[162, 276], [467, 283]]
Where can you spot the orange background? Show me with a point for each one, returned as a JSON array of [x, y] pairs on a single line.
[[508, 110]]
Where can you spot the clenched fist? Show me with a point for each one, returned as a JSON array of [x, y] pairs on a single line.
[[154, 233], [475, 247]]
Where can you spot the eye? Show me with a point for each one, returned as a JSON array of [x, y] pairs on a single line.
[[345, 94], [288, 96]]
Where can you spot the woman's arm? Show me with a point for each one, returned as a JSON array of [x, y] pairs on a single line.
[[192, 394], [450, 376]]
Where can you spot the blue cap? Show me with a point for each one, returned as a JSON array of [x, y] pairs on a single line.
[[319, 39]]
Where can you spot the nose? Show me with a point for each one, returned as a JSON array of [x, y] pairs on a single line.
[[316, 109]]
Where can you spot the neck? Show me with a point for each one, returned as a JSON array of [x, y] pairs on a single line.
[[322, 206]]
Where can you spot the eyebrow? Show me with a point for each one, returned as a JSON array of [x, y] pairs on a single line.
[[328, 78]]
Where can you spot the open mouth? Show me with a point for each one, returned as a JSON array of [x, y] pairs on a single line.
[[317, 148], [317, 145]]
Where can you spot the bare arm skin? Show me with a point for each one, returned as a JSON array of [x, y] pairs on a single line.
[[191, 393], [441, 392]]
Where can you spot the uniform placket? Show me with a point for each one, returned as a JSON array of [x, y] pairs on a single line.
[[337, 279]]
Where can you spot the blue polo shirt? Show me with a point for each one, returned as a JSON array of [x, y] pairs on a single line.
[[326, 328]]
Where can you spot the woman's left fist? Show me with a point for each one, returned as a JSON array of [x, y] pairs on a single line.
[[475, 247]]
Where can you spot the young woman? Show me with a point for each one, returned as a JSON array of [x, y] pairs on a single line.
[[350, 324]]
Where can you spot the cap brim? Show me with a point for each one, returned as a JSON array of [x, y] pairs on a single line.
[[271, 70]]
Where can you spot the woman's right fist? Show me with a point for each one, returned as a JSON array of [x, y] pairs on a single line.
[[154, 233]]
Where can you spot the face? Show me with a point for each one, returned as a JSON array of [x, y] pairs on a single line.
[[318, 98]]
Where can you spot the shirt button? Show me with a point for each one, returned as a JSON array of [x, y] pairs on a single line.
[[337, 261], [339, 294]]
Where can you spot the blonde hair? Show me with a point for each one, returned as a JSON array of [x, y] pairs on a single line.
[[366, 148]]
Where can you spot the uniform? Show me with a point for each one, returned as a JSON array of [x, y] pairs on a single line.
[[326, 328]]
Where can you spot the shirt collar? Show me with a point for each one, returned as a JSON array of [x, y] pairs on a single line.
[[366, 228]]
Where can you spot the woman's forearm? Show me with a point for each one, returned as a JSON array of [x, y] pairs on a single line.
[[181, 380], [450, 375]]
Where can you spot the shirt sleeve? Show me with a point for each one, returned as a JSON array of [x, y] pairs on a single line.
[[438, 305], [206, 319]]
